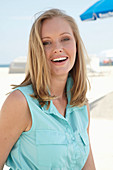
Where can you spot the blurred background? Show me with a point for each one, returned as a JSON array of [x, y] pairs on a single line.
[[16, 19]]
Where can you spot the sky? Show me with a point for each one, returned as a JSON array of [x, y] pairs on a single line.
[[17, 17]]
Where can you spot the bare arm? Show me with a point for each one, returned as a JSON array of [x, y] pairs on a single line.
[[89, 165], [14, 119]]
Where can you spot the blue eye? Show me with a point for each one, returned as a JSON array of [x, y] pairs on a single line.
[[46, 43], [65, 39]]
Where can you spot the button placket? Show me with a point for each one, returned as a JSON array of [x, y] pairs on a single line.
[[71, 145]]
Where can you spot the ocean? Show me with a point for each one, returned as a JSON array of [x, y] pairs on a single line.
[[4, 65]]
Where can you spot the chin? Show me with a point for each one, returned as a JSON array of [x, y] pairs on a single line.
[[60, 73]]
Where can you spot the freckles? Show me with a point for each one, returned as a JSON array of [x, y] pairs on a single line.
[[46, 52]]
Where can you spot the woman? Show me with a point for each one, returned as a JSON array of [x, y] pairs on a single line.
[[44, 122]]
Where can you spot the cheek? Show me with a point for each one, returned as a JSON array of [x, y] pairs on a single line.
[[72, 50], [47, 53], [73, 53]]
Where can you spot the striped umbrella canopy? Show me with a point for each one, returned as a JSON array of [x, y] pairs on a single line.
[[100, 9]]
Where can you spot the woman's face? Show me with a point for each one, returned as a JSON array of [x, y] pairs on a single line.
[[59, 45]]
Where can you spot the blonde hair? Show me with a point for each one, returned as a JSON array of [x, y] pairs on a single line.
[[38, 73]]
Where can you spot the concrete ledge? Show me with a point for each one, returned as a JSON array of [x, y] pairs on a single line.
[[18, 65]]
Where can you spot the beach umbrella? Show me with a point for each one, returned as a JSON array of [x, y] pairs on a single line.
[[100, 9]]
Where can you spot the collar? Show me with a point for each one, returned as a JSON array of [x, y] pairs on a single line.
[[52, 109]]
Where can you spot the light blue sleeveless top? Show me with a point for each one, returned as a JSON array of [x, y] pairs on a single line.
[[54, 142]]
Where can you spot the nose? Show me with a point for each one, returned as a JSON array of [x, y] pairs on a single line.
[[57, 48]]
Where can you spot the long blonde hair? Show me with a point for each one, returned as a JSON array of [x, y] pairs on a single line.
[[38, 73]]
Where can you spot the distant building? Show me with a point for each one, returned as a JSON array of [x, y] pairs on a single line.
[[18, 65], [106, 58]]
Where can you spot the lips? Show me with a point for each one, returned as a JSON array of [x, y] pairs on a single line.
[[59, 59]]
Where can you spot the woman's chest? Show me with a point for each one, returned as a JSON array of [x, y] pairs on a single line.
[[55, 145]]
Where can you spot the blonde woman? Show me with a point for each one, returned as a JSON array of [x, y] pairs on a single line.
[[44, 122]]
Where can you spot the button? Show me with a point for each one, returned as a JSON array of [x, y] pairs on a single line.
[[73, 138]]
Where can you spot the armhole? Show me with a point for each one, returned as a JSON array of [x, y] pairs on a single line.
[[88, 117], [32, 117]]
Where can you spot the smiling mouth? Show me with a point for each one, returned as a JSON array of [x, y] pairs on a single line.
[[60, 59]]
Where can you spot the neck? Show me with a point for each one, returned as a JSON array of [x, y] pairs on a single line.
[[58, 86]]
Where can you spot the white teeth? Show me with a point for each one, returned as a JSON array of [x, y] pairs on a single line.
[[59, 59]]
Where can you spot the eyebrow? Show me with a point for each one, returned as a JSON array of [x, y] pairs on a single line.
[[44, 37], [60, 35], [65, 33]]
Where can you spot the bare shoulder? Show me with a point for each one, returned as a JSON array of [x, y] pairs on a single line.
[[15, 100], [15, 97], [15, 109]]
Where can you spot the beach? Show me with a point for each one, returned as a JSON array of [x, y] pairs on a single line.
[[101, 107]]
